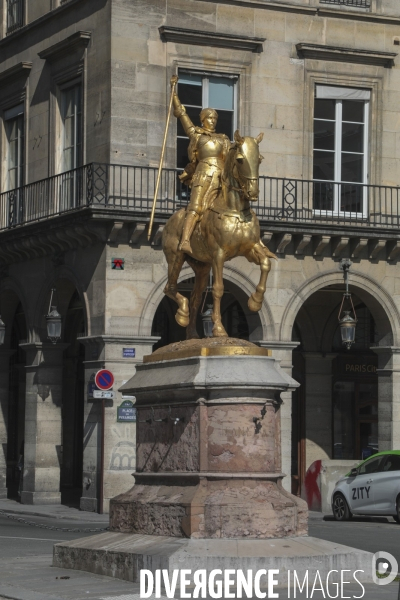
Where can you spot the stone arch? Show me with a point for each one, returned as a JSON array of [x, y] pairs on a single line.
[[260, 323], [69, 283], [379, 302], [11, 295]]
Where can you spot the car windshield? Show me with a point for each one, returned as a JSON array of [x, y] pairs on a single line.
[[371, 466], [392, 463]]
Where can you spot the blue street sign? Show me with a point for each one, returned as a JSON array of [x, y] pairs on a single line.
[[90, 389], [126, 412], [128, 352]]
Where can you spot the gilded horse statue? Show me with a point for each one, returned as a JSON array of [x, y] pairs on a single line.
[[228, 228]]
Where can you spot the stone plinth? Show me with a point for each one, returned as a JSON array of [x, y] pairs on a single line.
[[124, 555], [208, 451]]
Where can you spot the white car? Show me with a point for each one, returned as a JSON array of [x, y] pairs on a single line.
[[372, 488]]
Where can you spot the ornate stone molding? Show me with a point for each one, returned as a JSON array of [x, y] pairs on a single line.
[[80, 39], [48, 238], [211, 38], [350, 55], [21, 69]]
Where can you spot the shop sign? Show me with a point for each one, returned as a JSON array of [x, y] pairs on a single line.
[[352, 365], [126, 412], [359, 368]]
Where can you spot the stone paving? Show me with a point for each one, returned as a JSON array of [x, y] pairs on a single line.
[[33, 577]]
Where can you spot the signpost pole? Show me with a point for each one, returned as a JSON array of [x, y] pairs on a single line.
[[103, 422]]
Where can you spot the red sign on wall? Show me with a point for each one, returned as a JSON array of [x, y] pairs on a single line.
[[118, 264]]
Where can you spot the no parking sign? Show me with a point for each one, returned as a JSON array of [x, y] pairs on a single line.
[[104, 379]]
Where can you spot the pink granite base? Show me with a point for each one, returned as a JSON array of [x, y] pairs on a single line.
[[208, 453], [212, 508]]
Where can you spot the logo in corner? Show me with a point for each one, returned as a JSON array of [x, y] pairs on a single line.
[[384, 568]]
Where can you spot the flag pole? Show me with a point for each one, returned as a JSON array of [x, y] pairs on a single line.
[[174, 81]]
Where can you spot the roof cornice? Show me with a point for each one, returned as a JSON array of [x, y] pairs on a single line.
[[348, 55], [211, 38], [21, 69], [79, 39]]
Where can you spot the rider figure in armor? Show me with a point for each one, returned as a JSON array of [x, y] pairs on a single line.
[[207, 152]]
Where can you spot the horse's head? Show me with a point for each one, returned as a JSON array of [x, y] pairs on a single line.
[[247, 160]]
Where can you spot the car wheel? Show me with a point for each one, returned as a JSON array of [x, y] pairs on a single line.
[[341, 510]]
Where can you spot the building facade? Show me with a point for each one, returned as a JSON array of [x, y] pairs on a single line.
[[83, 102]]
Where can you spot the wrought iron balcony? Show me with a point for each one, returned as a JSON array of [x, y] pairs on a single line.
[[130, 190]]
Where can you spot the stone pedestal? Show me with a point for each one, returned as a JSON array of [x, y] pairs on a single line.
[[208, 451]]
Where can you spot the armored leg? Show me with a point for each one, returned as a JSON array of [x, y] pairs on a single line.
[[190, 223]]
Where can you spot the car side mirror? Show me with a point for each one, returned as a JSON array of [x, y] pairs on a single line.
[[354, 472]]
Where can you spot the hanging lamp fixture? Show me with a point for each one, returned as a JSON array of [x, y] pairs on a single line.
[[347, 323]]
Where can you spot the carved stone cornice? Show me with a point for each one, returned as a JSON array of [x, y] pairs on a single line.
[[22, 69], [348, 55], [211, 38], [52, 237], [79, 39]]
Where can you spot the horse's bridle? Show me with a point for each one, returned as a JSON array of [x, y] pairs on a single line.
[[231, 187]]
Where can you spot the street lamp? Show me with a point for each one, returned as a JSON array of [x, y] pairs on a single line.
[[207, 320], [347, 323], [53, 321], [207, 314]]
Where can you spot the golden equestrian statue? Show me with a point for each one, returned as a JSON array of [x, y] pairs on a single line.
[[218, 223]]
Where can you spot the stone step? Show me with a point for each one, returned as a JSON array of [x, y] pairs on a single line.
[[124, 555]]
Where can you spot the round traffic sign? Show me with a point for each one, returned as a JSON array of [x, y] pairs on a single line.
[[104, 379]]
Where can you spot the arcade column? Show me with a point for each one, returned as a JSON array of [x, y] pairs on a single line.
[[4, 399], [283, 353], [388, 372], [43, 439], [108, 472]]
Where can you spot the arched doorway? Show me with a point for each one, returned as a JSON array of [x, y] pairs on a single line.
[[234, 317], [335, 414], [73, 403]]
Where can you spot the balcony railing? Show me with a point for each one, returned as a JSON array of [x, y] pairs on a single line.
[[15, 15], [129, 188]]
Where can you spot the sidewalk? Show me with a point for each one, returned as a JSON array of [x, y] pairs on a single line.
[[33, 578], [51, 511]]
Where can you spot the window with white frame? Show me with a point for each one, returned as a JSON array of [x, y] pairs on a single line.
[[71, 116], [197, 91], [340, 154], [14, 128]]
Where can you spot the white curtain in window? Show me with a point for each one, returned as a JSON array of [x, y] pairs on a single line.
[[330, 92]]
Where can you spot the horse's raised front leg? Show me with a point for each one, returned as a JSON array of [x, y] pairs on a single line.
[[259, 255], [202, 271], [217, 292], [175, 263]]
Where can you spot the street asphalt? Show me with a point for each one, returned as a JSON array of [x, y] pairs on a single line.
[[26, 554]]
